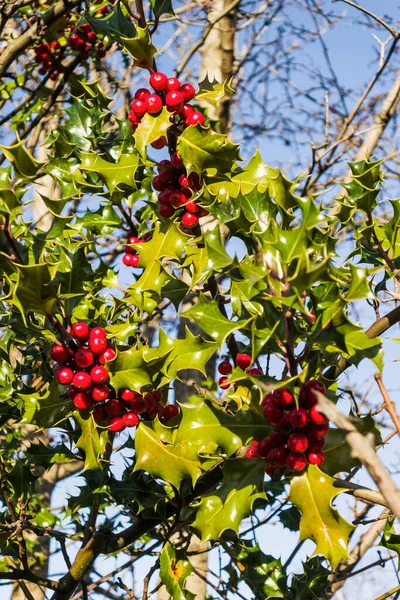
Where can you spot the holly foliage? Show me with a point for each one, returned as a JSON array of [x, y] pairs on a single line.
[[290, 296]]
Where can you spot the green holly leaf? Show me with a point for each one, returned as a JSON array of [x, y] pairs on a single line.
[[22, 159], [242, 484], [168, 241], [162, 7], [201, 148], [207, 314], [290, 518], [263, 572], [212, 92], [337, 453], [390, 539], [313, 582], [117, 174], [217, 257], [47, 410], [40, 455], [137, 368], [141, 47], [359, 288], [22, 480], [92, 440], [196, 444], [150, 128], [175, 568], [32, 290], [191, 352], [312, 492]]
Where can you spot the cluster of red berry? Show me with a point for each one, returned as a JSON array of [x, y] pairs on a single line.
[[298, 437], [168, 92], [82, 369], [48, 56], [131, 257], [243, 361], [176, 190], [84, 40]]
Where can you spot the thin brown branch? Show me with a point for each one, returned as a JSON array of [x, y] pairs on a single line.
[[389, 405], [367, 12], [362, 448]]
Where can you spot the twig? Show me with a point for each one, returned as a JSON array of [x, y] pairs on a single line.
[[372, 15], [389, 593], [389, 405], [362, 447]]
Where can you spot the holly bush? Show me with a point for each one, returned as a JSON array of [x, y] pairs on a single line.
[[159, 219]]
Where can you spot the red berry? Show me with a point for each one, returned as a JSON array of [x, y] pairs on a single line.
[[116, 424], [270, 469], [80, 331], [83, 358], [176, 161], [83, 401], [183, 180], [82, 380], [92, 37], [195, 118], [160, 411], [225, 367], [151, 402], [273, 413], [60, 354], [298, 417], [132, 239], [321, 429], [277, 456], [263, 448], [174, 100], [98, 345], [114, 408], [99, 374], [99, 413], [192, 207], [142, 94], [139, 107], [158, 184], [268, 398], [64, 375], [277, 439], [177, 199], [166, 211], [222, 382], [139, 405], [130, 419], [252, 453], [254, 443], [315, 458], [310, 388], [127, 395], [296, 462], [171, 411], [173, 84], [153, 104], [55, 45], [157, 395], [186, 110], [189, 220], [72, 392], [243, 361], [297, 442], [315, 443], [108, 355], [187, 91], [315, 416], [284, 423], [98, 332], [45, 57], [159, 143], [254, 372], [132, 118], [100, 393], [128, 260], [283, 398], [158, 81]]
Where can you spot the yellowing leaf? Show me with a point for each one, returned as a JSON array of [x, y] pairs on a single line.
[[312, 492]]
